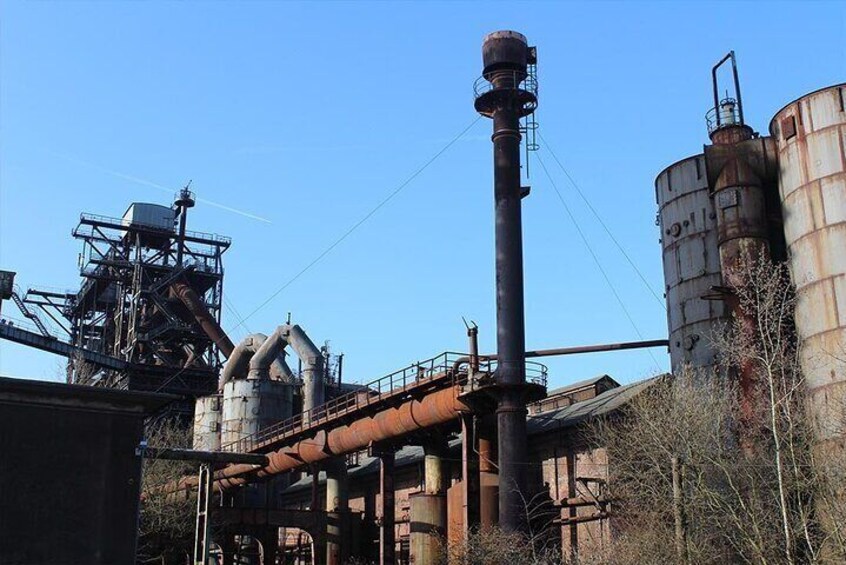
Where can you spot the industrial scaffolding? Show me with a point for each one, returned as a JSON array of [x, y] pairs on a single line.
[[150, 298]]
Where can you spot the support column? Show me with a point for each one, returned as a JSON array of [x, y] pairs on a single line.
[[428, 512], [337, 505], [269, 546], [387, 534], [488, 476], [469, 474], [315, 487]]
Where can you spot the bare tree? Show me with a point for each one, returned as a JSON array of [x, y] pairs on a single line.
[[706, 471], [166, 525]]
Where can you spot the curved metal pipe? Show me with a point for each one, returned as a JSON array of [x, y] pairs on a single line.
[[241, 358], [305, 349], [195, 306]]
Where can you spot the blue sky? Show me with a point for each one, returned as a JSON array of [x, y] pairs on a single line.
[[309, 115]]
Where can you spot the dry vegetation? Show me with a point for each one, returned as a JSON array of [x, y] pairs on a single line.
[[701, 475], [166, 525], [703, 472]]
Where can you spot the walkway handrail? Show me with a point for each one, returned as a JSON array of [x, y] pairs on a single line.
[[435, 372]]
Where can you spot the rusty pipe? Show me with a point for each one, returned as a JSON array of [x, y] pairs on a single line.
[[305, 349], [432, 410], [237, 364], [207, 322]]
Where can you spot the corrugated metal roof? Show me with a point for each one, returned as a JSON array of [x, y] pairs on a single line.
[[599, 405]]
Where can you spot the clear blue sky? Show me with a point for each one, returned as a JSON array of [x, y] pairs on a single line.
[[308, 115]]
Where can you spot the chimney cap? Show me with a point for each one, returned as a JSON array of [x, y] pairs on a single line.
[[506, 34]]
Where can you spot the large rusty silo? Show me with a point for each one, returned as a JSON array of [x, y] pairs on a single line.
[[688, 225], [811, 137]]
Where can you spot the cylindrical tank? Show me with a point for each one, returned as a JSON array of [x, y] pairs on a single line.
[[811, 138], [688, 224], [428, 516], [250, 405], [207, 421]]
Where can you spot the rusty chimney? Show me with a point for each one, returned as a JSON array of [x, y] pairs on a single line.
[[507, 92]]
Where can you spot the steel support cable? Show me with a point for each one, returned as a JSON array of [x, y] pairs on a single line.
[[596, 258], [360, 222], [548, 147], [236, 315]]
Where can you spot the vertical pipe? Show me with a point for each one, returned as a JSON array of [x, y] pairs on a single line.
[[571, 510], [506, 55], [387, 535], [469, 474], [315, 482], [473, 334], [337, 503], [180, 242], [511, 412]]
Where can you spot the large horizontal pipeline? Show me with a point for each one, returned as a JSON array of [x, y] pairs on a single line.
[[412, 415], [173, 454]]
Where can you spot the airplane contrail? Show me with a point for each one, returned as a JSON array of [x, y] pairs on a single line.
[[152, 184]]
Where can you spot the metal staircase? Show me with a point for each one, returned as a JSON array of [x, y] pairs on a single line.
[[28, 314]]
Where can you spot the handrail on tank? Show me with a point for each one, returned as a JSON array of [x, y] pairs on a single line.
[[729, 55]]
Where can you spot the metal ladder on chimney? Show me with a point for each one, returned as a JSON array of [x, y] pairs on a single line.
[[28, 314]]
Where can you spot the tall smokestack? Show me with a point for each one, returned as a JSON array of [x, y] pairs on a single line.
[[505, 95]]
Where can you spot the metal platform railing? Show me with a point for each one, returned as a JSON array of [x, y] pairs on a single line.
[[124, 225], [438, 372]]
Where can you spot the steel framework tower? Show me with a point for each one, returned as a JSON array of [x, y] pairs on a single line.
[[150, 298]]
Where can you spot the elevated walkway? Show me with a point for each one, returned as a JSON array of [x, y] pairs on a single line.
[[415, 382], [15, 332]]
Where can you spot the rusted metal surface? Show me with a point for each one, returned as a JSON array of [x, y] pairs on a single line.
[[337, 500], [208, 419], [237, 365], [506, 56], [252, 405], [428, 516], [741, 171], [436, 408], [488, 477], [469, 474], [207, 322], [688, 224], [415, 380], [387, 532], [174, 454], [812, 175]]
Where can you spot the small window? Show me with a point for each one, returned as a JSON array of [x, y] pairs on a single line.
[[788, 127]]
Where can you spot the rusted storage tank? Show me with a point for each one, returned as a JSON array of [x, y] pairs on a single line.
[[428, 521], [691, 258], [811, 138], [250, 405], [207, 422]]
